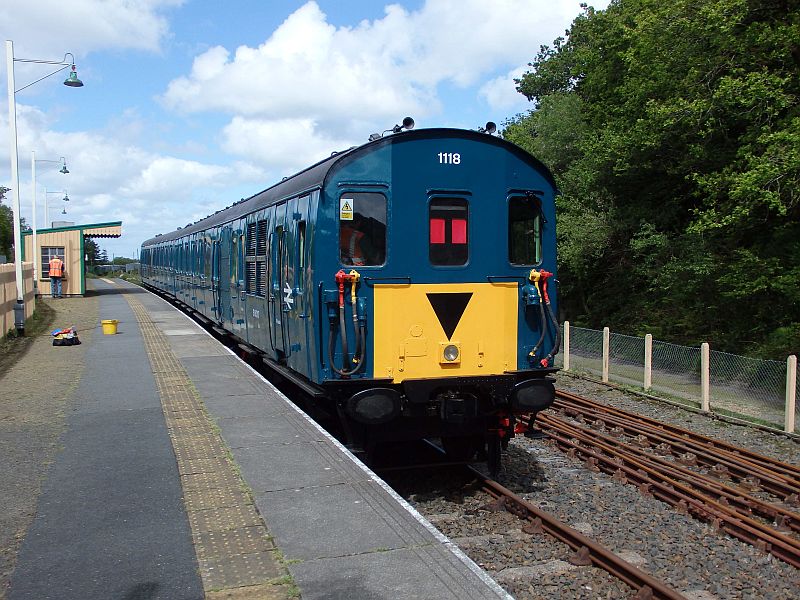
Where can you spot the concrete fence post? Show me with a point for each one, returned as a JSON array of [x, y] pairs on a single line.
[[606, 348], [705, 376], [791, 390], [648, 362], [566, 345]]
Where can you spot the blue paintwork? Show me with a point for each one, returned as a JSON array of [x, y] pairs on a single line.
[[407, 170]]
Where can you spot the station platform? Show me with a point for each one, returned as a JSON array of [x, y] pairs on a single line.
[[180, 472]]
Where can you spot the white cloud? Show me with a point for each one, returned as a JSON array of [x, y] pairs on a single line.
[[313, 85], [501, 92], [110, 180], [44, 28], [287, 144], [307, 68], [380, 68]]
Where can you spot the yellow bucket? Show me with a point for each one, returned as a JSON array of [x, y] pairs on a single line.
[[109, 326]]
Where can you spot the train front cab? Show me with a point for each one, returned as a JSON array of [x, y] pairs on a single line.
[[461, 332]]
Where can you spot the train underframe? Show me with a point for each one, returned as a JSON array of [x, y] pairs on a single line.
[[470, 415]]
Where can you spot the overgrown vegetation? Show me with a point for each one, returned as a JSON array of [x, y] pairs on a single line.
[[673, 130]]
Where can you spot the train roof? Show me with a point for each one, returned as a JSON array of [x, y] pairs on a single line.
[[314, 177]]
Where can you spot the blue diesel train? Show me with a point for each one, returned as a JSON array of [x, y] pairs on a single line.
[[401, 284]]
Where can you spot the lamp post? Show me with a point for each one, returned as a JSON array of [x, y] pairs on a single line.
[[71, 81], [63, 212], [64, 170]]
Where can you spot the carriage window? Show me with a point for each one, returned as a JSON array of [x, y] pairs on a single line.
[[251, 239], [256, 258], [524, 230], [448, 232], [240, 262], [362, 229], [301, 247]]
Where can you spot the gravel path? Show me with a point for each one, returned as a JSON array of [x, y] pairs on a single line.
[[35, 396]]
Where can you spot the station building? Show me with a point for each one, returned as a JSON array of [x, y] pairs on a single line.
[[65, 240]]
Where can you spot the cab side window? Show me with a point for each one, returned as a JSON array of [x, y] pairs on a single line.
[[362, 229], [524, 230]]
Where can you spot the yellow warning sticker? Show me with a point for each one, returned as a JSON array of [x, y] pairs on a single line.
[[345, 209]]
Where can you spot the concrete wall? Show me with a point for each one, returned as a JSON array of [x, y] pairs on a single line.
[[8, 294]]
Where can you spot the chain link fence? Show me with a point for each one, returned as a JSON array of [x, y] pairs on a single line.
[[676, 372], [737, 385], [749, 386], [625, 358], [586, 350]]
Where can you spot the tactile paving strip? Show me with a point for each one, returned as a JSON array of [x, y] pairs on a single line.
[[234, 549]]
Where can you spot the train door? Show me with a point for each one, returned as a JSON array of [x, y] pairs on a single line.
[[236, 279], [296, 261], [278, 298], [225, 312], [215, 259], [237, 291]]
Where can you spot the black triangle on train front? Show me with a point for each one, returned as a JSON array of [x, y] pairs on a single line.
[[449, 309]]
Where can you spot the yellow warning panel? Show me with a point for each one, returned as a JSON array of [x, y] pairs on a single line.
[[445, 330], [346, 206]]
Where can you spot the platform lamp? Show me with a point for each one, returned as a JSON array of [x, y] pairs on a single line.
[[63, 162], [65, 199], [71, 81]]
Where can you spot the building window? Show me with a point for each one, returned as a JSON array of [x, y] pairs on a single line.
[[49, 252], [362, 229], [448, 231], [524, 230]]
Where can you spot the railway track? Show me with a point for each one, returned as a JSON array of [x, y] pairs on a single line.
[[707, 450], [748, 496], [587, 551], [536, 522]]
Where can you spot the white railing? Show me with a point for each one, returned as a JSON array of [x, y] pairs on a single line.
[[761, 390]]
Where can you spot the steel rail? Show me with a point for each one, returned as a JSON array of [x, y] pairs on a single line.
[[715, 489], [646, 585], [775, 475], [776, 484], [586, 406], [651, 481], [776, 466]]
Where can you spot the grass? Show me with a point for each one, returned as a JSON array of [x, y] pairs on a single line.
[[12, 345], [292, 591], [132, 277]]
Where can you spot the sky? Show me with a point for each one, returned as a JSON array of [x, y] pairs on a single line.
[[190, 105]]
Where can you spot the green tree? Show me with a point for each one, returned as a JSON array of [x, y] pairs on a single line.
[[673, 130], [6, 226], [92, 251]]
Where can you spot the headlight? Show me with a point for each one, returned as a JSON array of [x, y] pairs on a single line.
[[450, 353]]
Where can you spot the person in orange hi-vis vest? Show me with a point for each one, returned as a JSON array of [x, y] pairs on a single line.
[[350, 240], [56, 274]]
